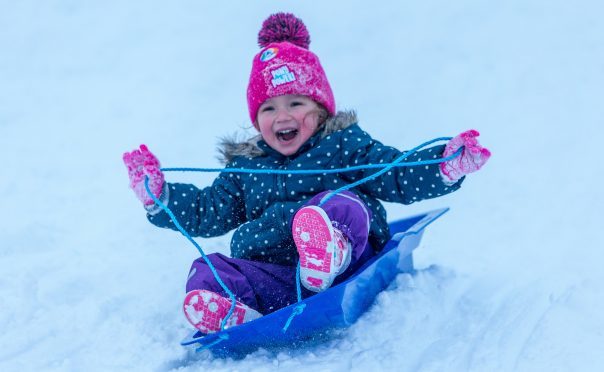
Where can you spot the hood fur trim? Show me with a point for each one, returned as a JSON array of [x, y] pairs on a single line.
[[230, 146]]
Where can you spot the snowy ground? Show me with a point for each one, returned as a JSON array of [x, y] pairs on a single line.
[[510, 279]]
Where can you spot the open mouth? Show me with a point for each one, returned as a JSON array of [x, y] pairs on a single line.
[[286, 134]]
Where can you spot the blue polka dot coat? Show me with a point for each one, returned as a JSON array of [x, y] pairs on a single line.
[[261, 206]]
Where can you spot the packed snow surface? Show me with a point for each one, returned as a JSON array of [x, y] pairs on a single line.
[[510, 279]]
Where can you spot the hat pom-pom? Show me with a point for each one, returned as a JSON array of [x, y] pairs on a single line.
[[281, 27]]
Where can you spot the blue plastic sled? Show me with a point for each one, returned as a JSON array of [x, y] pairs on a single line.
[[338, 307]]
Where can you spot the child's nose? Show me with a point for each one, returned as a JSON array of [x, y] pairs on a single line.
[[282, 115]]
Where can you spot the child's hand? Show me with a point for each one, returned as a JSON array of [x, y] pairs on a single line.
[[141, 163], [472, 158]]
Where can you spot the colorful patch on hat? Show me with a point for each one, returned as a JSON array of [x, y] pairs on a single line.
[[269, 54], [281, 76]]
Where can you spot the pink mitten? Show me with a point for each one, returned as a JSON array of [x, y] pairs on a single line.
[[141, 163], [472, 157]]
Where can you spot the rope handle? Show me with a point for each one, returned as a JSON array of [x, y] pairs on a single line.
[[397, 163], [221, 337], [203, 255]]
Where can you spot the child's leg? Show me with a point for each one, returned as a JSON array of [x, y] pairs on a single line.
[[259, 286], [350, 215], [317, 233]]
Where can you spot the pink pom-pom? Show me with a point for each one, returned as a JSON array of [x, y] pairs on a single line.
[[281, 27]]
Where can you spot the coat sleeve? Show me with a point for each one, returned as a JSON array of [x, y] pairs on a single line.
[[207, 212], [400, 184]]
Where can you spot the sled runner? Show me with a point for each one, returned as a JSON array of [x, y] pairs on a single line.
[[338, 307]]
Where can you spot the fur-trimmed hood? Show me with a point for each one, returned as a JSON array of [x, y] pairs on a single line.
[[230, 147]]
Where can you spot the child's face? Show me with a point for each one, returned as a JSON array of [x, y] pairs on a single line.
[[286, 122]]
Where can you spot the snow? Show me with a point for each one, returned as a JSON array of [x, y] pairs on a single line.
[[510, 279]]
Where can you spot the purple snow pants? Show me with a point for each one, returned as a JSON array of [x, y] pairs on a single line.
[[268, 287]]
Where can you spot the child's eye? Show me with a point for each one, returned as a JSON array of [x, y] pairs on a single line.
[[296, 103], [266, 108]]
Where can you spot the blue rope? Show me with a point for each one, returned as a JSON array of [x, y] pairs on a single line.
[[186, 234], [397, 163], [221, 337], [299, 308]]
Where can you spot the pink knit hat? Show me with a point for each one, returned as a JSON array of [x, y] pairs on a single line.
[[286, 66]]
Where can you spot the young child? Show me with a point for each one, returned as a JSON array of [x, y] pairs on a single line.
[[277, 217]]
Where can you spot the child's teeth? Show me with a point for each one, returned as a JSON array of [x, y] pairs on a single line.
[[287, 134]]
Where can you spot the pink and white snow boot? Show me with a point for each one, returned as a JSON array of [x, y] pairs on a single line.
[[206, 309], [324, 251]]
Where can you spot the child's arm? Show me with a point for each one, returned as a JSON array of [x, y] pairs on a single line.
[[213, 211], [207, 212], [401, 184]]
